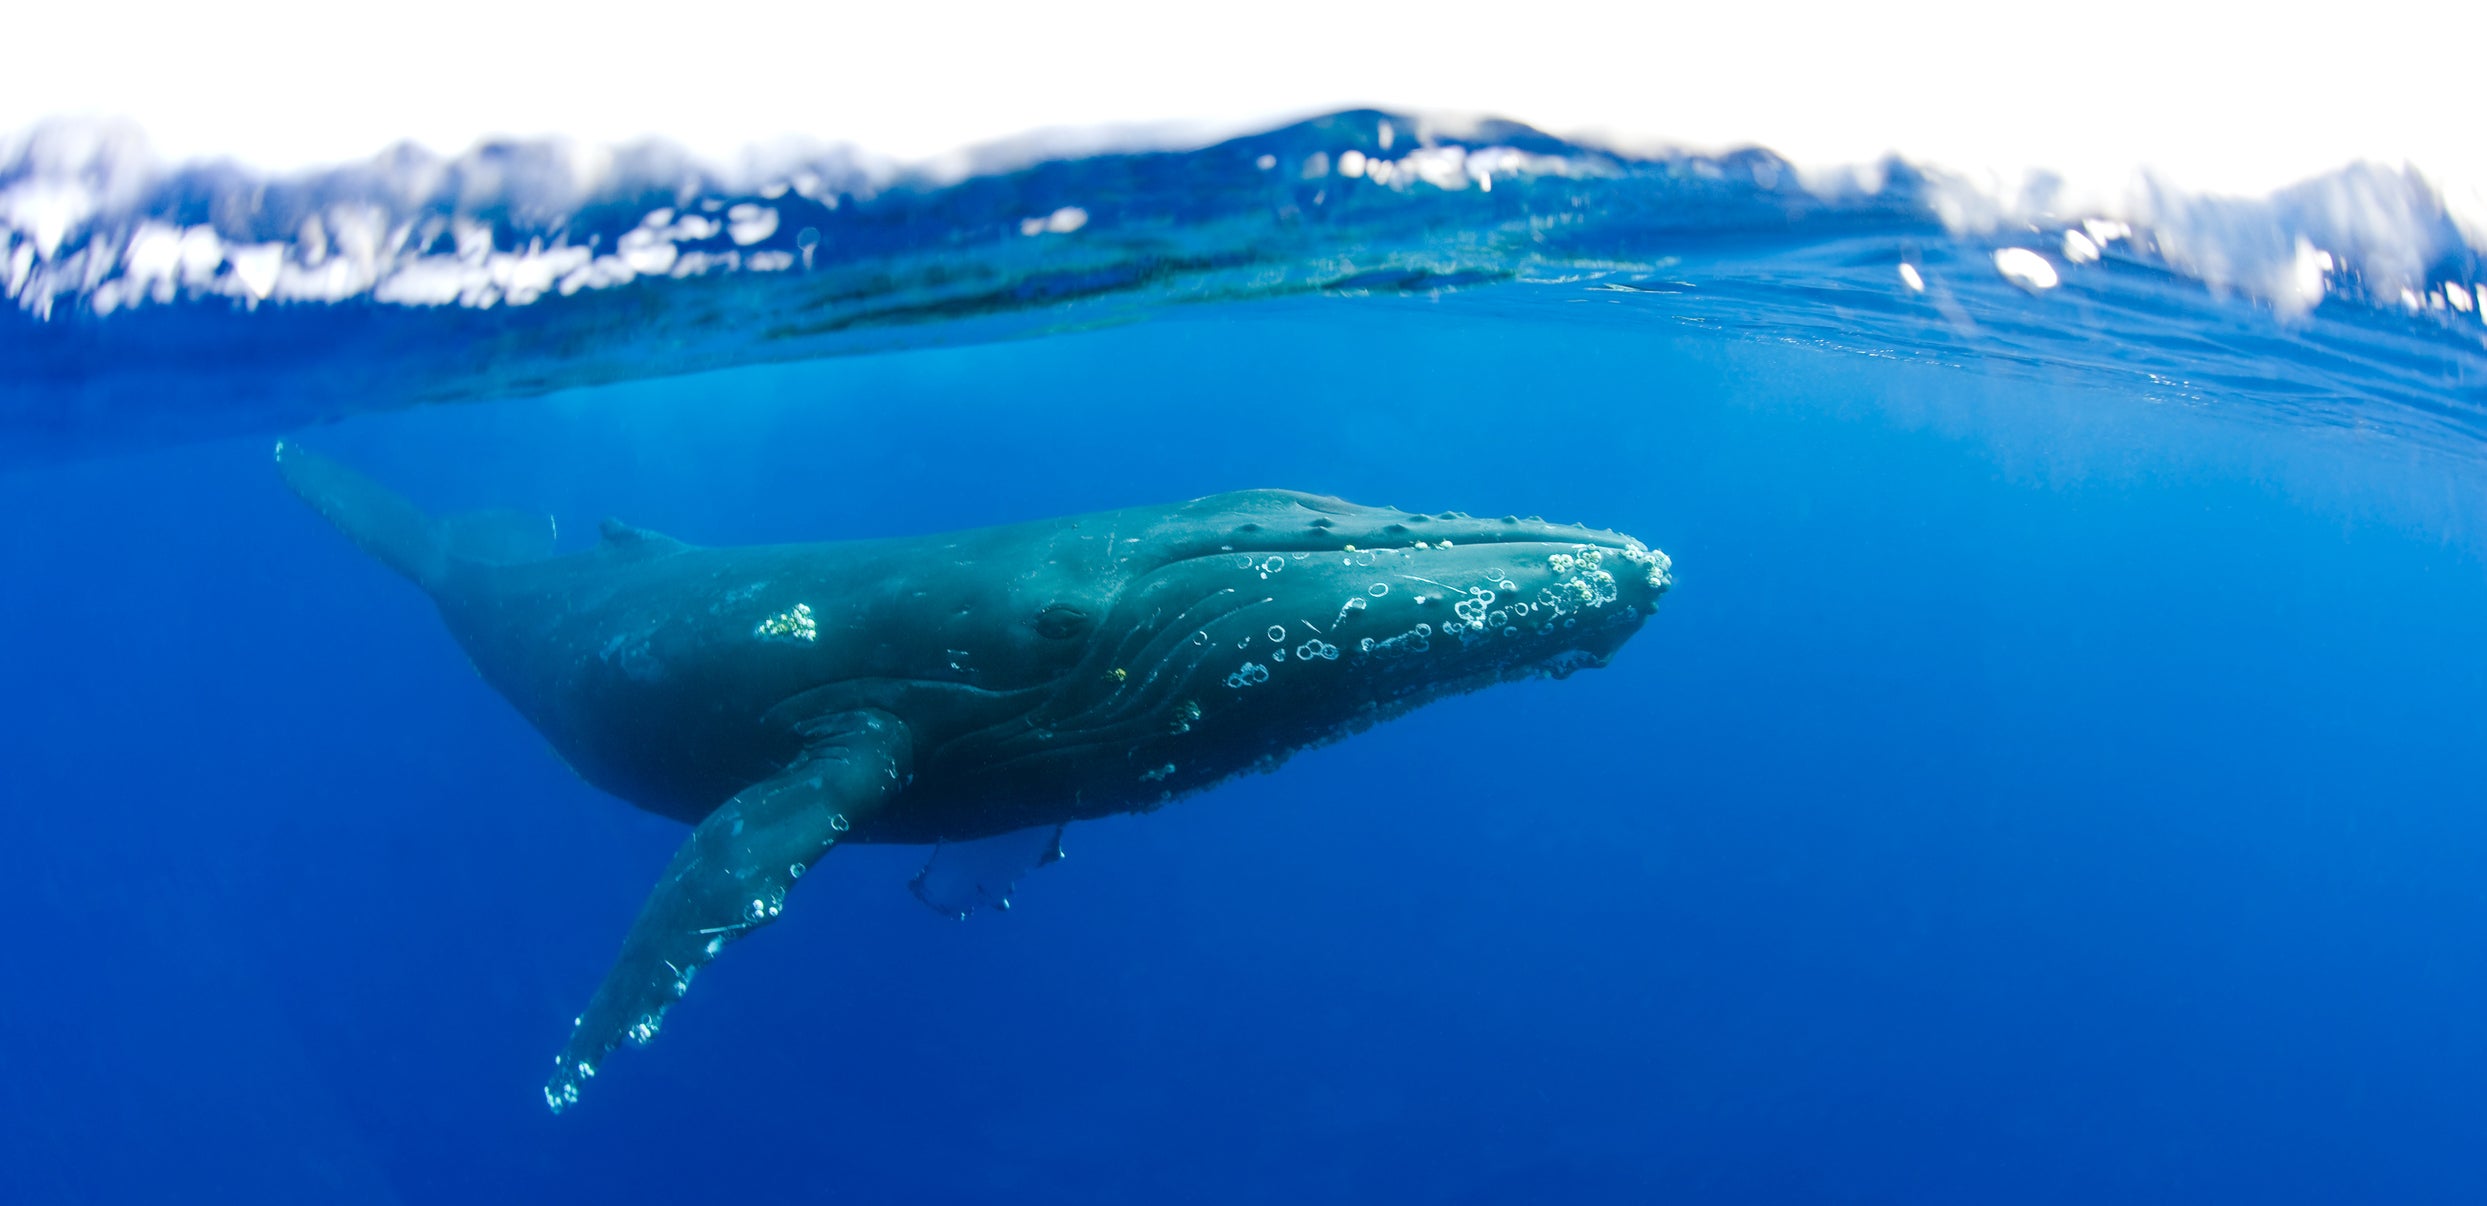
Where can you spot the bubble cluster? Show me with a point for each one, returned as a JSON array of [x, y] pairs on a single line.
[[1252, 674], [1317, 648]]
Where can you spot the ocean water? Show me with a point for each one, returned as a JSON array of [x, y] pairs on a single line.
[[2056, 775]]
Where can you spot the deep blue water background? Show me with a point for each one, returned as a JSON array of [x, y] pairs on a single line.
[[2028, 794]]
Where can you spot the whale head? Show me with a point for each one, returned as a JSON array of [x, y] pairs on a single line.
[[1225, 634]]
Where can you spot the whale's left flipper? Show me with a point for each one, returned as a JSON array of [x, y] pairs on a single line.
[[731, 878]]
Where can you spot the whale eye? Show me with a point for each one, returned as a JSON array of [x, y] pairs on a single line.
[[1060, 620]]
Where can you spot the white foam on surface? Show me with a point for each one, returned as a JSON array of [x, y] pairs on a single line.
[[2144, 111], [2208, 97]]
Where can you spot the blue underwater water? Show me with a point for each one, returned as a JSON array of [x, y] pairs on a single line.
[[2056, 776]]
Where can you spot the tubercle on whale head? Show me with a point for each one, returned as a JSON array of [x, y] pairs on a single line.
[[1583, 561]]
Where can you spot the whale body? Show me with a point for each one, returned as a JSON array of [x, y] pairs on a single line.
[[973, 690]]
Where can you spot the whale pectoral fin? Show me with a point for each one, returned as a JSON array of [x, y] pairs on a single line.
[[732, 877], [962, 877]]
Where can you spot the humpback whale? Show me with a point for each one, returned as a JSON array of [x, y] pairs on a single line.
[[975, 691]]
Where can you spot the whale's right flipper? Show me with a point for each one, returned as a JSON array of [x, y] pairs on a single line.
[[732, 876]]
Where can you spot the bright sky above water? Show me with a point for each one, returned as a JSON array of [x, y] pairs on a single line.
[[2217, 98]]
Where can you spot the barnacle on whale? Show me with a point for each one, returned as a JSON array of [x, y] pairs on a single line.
[[792, 624]]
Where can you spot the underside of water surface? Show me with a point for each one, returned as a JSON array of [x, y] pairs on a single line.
[[154, 304]]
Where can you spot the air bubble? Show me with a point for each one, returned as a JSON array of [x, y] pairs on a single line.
[[838, 823], [1277, 655], [1508, 584], [1273, 565], [1511, 632], [1378, 589], [1277, 634]]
